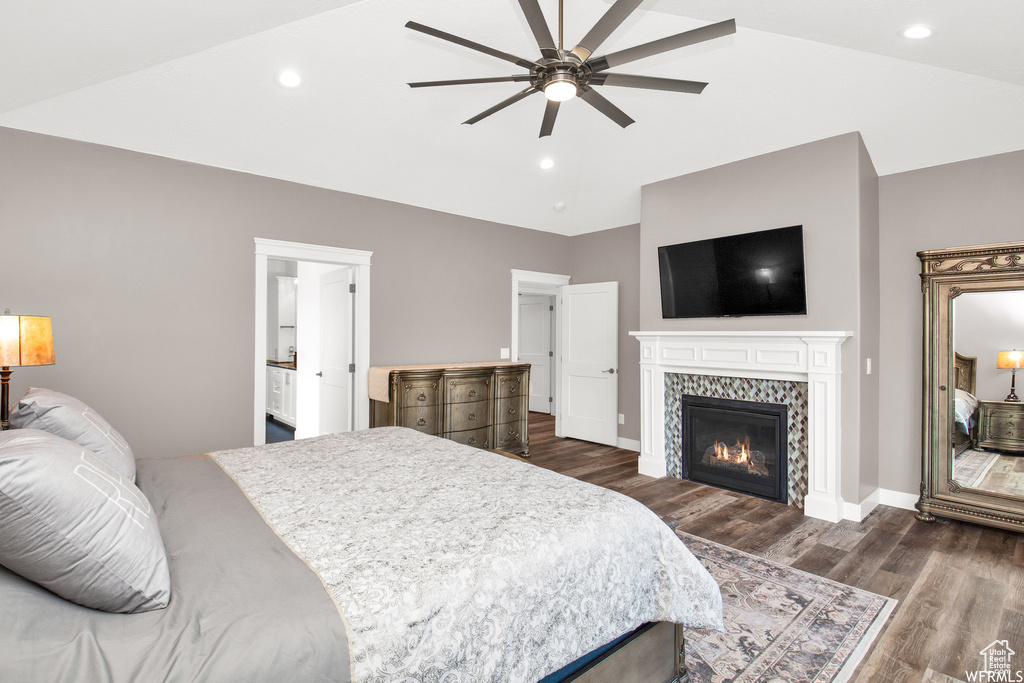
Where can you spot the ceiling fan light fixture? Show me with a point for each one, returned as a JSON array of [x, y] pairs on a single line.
[[560, 87]]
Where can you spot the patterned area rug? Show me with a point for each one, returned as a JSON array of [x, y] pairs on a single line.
[[782, 624], [971, 466]]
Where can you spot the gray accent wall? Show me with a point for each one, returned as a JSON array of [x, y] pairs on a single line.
[[146, 266], [829, 187], [973, 202]]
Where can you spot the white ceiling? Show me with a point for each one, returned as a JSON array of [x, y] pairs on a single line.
[[194, 80]]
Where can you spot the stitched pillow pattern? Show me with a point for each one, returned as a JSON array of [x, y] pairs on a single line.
[[69, 418], [74, 525]]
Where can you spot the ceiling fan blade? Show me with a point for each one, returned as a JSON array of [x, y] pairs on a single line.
[[550, 112], [648, 82], [471, 81], [611, 20], [525, 63], [535, 18], [501, 105], [591, 97], [656, 47]]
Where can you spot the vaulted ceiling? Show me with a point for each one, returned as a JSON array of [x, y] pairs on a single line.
[[195, 80]]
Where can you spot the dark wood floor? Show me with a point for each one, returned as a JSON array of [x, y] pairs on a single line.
[[960, 586]]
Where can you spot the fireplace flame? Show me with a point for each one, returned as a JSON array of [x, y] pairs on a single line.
[[739, 454]]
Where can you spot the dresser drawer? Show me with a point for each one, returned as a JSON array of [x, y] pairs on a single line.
[[421, 418], [471, 437], [462, 416], [512, 384], [509, 409], [467, 389], [418, 392], [509, 436]]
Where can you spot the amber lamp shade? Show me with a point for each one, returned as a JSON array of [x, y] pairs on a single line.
[[24, 340], [1011, 360]]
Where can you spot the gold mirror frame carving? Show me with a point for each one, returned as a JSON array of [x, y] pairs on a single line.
[[945, 275]]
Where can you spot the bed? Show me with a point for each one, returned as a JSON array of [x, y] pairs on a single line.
[[380, 555], [965, 403]]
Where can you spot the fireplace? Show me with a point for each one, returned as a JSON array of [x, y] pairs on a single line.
[[737, 445]]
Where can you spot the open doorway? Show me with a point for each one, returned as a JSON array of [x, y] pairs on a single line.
[[527, 284], [317, 371], [537, 347]]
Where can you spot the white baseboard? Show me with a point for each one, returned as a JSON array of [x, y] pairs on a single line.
[[629, 444], [898, 499]]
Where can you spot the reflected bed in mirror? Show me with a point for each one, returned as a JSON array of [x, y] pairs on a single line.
[[973, 461]]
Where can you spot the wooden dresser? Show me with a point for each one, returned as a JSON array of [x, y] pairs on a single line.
[[1001, 425], [478, 404]]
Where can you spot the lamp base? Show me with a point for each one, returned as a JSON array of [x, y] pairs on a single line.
[[1012, 398], [5, 377]]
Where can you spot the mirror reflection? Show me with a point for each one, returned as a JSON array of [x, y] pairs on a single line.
[[988, 416]]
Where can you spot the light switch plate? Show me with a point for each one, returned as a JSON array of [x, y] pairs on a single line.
[[506, 354]]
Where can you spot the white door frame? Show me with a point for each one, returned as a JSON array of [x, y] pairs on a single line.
[[533, 282], [296, 251]]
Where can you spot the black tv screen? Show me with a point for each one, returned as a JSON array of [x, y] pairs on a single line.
[[756, 273]]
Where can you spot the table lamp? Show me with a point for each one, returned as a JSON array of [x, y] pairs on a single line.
[[24, 340], [1011, 360]]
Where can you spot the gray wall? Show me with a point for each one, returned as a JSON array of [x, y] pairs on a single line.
[[972, 202], [615, 255], [146, 266], [826, 186]]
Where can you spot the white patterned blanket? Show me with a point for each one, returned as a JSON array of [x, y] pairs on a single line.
[[457, 565]]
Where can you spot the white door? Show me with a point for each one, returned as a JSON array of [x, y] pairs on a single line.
[[535, 314], [335, 351], [588, 385]]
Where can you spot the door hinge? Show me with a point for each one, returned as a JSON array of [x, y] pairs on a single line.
[[351, 367], [352, 288], [551, 308], [551, 354], [551, 399]]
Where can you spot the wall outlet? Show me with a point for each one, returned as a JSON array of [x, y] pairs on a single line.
[[622, 419], [506, 354]]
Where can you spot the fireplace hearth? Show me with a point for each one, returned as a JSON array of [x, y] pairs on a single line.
[[737, 445]]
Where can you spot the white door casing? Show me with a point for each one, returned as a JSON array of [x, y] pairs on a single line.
[[335, 351], [535, 323], [295, 251], [589, 380]]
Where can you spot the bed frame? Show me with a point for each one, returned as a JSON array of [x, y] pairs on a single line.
[[965, 370], [655, 654]]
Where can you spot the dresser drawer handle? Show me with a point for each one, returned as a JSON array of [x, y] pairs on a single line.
[[421, 422], [421, 397], [511, 390], [511, 411], [472, 416], [472, 393], [511, 431], [472, 440]]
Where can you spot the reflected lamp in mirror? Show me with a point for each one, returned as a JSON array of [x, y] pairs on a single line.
[[24, 340], [1011, 360]]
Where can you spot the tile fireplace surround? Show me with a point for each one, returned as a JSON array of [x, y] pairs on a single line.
[[812, 357]]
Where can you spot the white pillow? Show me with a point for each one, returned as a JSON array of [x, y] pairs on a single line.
[[74, 525], [69, 418]]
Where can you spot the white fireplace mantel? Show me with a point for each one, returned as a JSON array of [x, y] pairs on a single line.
[[812, 357]]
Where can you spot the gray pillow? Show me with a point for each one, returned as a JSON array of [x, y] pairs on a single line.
[[74, 525], [67, 417]]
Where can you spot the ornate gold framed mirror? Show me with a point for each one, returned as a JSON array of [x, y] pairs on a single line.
[[973, 431]]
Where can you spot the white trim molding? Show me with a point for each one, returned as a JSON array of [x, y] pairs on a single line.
[[812, 357], [296, 251]]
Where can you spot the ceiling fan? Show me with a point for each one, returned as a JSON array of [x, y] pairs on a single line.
[[562, 75]]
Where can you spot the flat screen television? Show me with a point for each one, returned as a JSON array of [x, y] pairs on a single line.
[[756, 273]]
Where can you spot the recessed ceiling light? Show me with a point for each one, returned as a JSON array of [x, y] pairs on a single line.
[[917, 32], [559, 206], [289, 78], [547, 163]]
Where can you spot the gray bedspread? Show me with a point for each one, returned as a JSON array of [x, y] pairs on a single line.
[[243, 606], [455, 565]]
